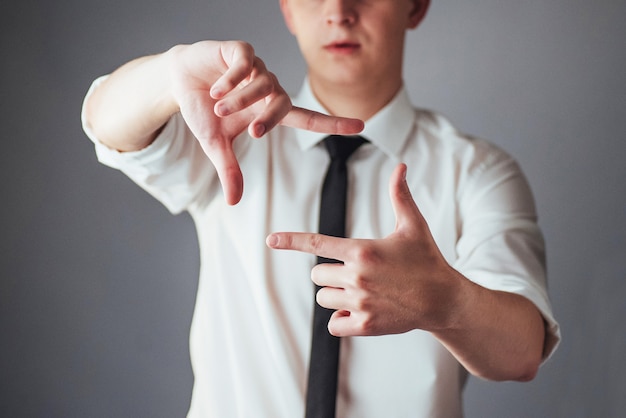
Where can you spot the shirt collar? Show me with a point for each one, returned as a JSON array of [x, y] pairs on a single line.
[[388, 129]]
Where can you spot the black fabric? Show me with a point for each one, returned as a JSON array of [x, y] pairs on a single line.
[[324, 364]]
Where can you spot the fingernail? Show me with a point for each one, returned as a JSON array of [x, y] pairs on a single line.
[[259, 130], [221, 109], [272, 240], [216, 92]]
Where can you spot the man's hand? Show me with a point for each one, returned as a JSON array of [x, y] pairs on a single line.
[[385, 286], [222, 89], [402, 282]]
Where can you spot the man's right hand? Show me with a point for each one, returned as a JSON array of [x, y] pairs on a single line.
[[220, 88], [223, 88]]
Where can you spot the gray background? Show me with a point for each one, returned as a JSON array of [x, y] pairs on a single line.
[[98, 280]]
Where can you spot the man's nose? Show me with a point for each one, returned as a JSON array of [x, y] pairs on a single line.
[[340, 12]]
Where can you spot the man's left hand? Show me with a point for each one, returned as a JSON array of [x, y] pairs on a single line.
[[384, 286]]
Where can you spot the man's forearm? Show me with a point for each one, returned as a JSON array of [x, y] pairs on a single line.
[[126, 111], [496, 335]]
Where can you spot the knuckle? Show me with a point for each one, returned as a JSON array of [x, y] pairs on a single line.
[[286, 240], [358, 280], [309, 124], [363, 303], [337, 125], [266, 84], [365, 253], [236, 103], [245, 46], [315, 242], [259, 64], [217, 142], [366, 324], [245, 54]]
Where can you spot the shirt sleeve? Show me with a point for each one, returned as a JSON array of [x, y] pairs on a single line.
[[501, 246], [173, 168]]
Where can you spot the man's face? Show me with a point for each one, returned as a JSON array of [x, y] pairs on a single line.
[[352, 41]]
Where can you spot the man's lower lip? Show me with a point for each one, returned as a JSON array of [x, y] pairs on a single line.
[[342, 48]]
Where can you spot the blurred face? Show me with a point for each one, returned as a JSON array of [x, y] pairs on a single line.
[[352, 41]]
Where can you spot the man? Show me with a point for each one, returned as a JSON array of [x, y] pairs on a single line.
[[429, 288]]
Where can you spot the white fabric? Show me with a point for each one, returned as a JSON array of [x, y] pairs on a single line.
[[251, 327]]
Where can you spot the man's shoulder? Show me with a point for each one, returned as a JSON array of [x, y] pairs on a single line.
[[438, 128], [439, 138]]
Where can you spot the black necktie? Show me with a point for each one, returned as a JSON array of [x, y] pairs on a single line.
[[323, 366]]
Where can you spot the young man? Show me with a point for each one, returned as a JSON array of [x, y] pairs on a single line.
[[444, 273]]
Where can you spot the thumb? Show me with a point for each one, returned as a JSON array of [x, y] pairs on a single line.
[[230, 175], [221, 154], [404, 207], [217, 145]]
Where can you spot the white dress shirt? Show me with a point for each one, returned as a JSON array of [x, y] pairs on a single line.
[[251, 328]]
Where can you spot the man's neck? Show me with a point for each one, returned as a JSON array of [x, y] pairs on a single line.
[[355, 100]]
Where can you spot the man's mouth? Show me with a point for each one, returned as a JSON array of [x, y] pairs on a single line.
[[343, 46]]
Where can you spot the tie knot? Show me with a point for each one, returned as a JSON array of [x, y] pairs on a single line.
[[340, 148]]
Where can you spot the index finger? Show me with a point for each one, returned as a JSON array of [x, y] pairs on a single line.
[[316, 244], [240, 61], [318, 122]]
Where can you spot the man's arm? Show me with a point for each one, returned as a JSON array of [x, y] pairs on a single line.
[[131, 105], [220, 88], [402, 282]]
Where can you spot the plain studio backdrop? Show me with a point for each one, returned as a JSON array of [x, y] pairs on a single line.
[[98, 280]]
